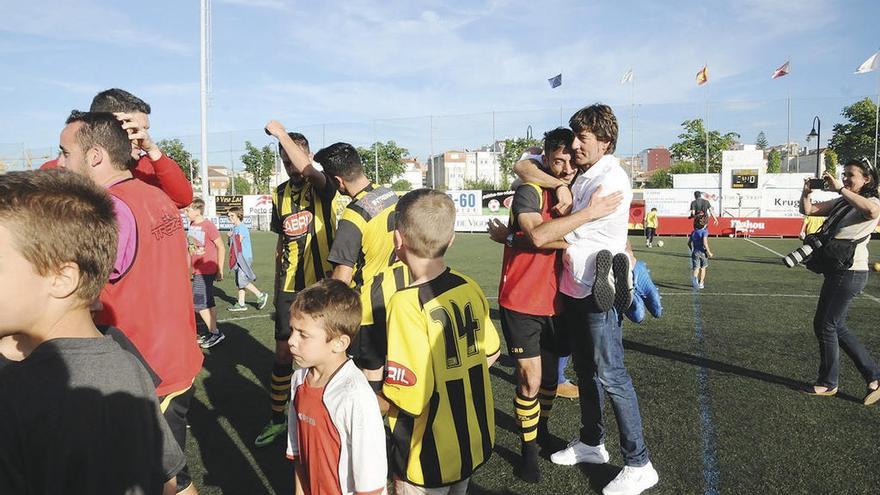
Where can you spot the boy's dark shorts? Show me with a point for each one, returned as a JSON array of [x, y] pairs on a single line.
[[175, 407], [527, 335], [203, 291], [282, 315], [699, 259], [369, 347]]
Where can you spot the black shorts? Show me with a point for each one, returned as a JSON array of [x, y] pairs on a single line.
[[203, 291], [282, 315], [527, 335], [175, 407], [369, 347]]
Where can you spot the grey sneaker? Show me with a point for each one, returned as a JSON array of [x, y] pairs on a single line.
[[262, 300], [238, 307], [212, 340], [623, 282], [603, 286], [202, 338]]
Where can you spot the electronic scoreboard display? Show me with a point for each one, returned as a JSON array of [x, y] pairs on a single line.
[[744, 178]]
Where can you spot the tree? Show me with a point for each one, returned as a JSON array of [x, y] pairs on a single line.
[[240, 185], [831, 162], [774, 162], [761, 141], [854, 139], [401, 185], [660, 179], [513, 149], [692, 145], [260, 162], [481, 184], [686, 167], [390, 161], [175, 150]]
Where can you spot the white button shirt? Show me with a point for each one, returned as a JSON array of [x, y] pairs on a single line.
[[608, 233]]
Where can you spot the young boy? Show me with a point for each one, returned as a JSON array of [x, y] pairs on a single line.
[[241, 258], [651, 224], [441, 343], [80, 414], [206, 249], [698, 242], [335, 430]]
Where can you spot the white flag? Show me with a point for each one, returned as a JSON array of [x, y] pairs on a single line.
[[873, 63], [627, 77]]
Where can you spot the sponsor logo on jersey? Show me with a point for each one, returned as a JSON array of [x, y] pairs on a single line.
[[398, 374], [297, 224]]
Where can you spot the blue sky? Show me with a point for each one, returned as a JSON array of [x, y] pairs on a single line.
[[365, 69]]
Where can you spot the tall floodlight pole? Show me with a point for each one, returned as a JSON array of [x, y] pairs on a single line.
[[433, 171], [632, 133], [203, 96], [376, 152]]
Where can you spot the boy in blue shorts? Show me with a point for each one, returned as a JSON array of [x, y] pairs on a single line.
[[241, 259], [698, 242]]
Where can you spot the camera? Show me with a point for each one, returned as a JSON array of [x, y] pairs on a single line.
[[799, 255], [818, 184]]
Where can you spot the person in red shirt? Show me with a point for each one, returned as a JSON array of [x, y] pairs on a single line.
[[148, 296], [206, 252], [153, 167]]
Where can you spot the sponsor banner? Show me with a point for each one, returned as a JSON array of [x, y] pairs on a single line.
[[475, 223], [781, 203], [467, 202], [677, 202], [222, 204], [751, 226], [497, 203], [257, 205]]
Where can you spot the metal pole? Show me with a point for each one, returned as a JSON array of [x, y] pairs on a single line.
[[706, 130], [632, 134], [433, 172], [876, 121], [494, 150], [376, 152], [788, 139], [818, 144], [203, 96]]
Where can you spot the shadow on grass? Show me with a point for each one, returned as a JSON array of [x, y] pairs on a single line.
[[714, 365], [599, 475], [235, 411], [219, 293]]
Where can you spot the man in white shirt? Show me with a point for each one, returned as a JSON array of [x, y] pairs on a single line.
[[596, 287]]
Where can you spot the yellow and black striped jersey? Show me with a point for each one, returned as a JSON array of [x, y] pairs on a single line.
[[365, 234], [304, 218], [377, 291], [443, 425]]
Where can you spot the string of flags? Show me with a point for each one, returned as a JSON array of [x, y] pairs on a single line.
[[869, 65]]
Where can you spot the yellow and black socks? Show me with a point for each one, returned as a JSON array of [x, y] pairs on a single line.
[[281, 374], [546, 396], [528, 412]]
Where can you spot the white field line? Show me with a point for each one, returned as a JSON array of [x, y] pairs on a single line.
[[765, 247]]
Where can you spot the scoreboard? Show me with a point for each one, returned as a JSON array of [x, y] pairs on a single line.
[[744, 178]]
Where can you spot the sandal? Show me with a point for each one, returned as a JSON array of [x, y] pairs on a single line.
[[814, 390], [872, 395]]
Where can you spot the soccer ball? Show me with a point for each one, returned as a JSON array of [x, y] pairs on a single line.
[[730, 235], [660, 244]]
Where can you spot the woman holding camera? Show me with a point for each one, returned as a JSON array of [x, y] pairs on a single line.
[[859, 190]]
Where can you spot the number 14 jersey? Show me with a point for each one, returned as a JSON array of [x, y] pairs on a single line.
[[439, 335]]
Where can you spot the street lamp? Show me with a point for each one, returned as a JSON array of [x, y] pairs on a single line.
[[816, 132], [529, 132]]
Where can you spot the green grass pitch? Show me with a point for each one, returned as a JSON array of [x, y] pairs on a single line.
[[753, 433]]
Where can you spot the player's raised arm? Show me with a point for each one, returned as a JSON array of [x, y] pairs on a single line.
[[298, 157]]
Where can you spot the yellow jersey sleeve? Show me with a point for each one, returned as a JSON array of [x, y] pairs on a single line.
[[409, 378]]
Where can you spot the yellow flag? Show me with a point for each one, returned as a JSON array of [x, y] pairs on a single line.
[[703, 76]]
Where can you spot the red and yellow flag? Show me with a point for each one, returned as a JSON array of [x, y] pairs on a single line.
[[703, 76]]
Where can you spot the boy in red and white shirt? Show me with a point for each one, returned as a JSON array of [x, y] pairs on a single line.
[[206, 251], [335, 430]]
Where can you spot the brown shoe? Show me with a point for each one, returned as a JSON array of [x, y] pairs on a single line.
[[567, 390], [872, 395]]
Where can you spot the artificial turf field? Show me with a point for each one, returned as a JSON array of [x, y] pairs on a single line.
[[716, 376]]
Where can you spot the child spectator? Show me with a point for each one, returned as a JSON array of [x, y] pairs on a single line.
[[241, 259], [441, 343], [206, 249], [335, 430], [79, 414], [698, 242]]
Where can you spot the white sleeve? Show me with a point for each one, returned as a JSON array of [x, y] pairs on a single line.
[[292, 434], [367, 434]]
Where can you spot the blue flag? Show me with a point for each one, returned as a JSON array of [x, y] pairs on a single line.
[[555, 81]]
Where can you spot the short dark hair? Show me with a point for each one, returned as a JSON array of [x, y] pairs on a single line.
[[598, 119], [342, 160], [300, 141], [869, 190], [198, 204], [118, 100], [560, 137], [56, 217], [104, 130], [332, 302], [237, 211], [697, 194]]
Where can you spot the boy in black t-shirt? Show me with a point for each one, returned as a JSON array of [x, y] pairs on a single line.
[[78, 414]]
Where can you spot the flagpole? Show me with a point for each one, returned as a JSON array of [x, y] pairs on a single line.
[[706, 129], [632, 133], [876, 121], [788, 136]]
